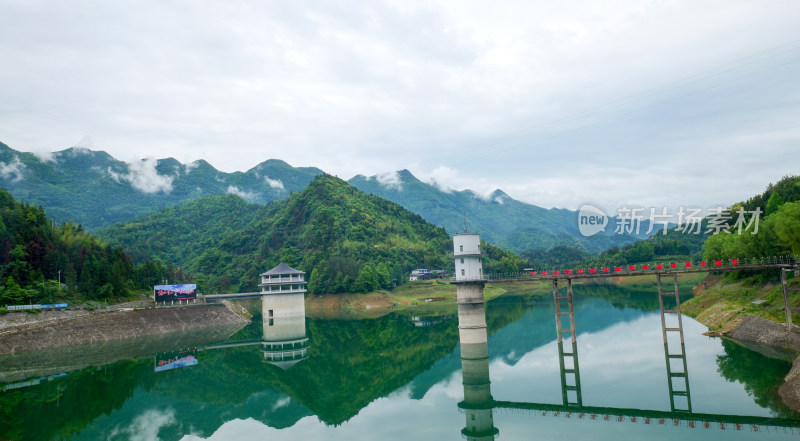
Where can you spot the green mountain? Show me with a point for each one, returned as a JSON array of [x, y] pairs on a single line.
[[35, 255], [179, 234], [348, 241], [93, 189], [501, 220]]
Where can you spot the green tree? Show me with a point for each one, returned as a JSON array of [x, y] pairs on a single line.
[[786, 224], [367, 279], [774, 202], [315, 282], [384, 278], [18, 267]]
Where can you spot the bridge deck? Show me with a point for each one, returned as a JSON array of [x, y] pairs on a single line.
[[241, 295], [626, 273]]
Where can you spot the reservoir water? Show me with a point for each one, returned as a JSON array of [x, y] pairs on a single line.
[[401, 376]]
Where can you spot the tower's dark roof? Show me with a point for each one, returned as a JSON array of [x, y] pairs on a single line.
[[282, 268]]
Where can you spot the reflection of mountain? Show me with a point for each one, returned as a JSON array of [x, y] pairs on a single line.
[[179, 416], [349, 365], [739, 364]]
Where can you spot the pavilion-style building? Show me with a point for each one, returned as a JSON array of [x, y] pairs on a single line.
[[284, 315], [283, 279]]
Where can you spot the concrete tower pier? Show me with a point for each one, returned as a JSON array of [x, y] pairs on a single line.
[[478, 401], [469, 293], [284, 316]]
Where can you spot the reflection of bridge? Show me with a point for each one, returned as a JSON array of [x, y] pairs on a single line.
[[655, 417], [479, 405]]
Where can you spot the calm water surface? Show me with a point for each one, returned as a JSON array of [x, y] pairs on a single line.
[[400, 377]]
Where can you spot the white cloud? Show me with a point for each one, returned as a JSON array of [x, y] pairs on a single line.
[[143, 176], [78, 151], [274, 183], [441, 177], [282, 402], [480, 196], [248, 196], [191, 166], [13, 170], [45, 156], [390, 180], [146, 426], [448, 179], [114, 175]]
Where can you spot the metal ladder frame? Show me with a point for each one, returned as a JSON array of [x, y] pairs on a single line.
[[575, 371], [671, 376], [566, 387]]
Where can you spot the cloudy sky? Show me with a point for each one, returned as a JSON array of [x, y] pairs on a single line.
[[557, 103]]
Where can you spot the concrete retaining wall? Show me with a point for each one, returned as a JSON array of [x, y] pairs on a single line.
[[116, 325]]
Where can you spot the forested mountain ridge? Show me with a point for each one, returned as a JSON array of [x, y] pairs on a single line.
[[346, 240], [501, 220], [93, 189], [35, 254], [176, 235]]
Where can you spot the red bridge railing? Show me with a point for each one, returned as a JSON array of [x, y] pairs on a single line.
[[644, 268]]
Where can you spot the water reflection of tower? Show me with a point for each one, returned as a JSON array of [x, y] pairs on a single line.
[[478, 401], [284, 314]]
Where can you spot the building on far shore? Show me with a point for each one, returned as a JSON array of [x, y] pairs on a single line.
[[427, 274], [284, 315]]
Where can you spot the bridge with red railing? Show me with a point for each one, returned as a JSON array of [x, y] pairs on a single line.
[[756, 264]]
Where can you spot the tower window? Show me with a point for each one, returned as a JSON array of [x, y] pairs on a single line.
[[462, 260], [462, 272]]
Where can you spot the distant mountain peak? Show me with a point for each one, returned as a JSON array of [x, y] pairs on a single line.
[[499, 196], [406, 176]]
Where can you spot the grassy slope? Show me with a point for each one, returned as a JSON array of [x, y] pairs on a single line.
[[720, 303]]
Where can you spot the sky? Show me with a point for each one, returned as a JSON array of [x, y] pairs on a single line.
[[646, 103]]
